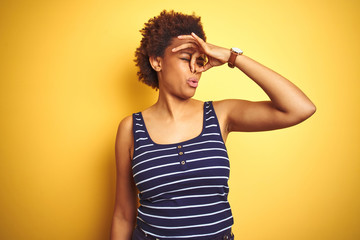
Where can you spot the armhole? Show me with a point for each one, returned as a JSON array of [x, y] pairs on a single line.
[[133, 131], [217, 120]]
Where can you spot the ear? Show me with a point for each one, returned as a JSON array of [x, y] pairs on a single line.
[[155, 63]]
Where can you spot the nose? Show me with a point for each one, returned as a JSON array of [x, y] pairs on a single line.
[[195, 68]]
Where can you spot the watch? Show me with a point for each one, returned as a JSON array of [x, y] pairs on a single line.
[[234, 52]]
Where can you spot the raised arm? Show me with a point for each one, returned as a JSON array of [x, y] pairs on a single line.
[[125, 203], [288, 105]]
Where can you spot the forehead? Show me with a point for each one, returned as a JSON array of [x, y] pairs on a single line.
[[175, 42]]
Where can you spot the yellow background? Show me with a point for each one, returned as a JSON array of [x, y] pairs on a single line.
[[68, 78]]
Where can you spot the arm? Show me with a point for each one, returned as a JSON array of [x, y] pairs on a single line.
[[125, 203], [288, 105]]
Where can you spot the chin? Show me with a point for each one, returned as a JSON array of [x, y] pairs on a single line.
[[191, 92], [188, 94]]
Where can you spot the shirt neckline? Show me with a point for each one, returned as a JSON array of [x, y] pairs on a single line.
[[177, 143]]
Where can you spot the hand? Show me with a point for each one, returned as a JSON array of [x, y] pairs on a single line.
[[216, 55]]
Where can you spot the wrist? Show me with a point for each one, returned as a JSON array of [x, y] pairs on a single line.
[[223, 55], [234, 52]]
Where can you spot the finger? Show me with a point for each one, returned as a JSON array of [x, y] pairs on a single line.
[[206, 67], [193, 36], [184, 46], [193, 59], [199, 40], [186, 37]]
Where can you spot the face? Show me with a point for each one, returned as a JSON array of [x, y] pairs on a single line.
[[175, 76]]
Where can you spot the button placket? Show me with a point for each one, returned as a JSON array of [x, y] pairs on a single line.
[[182, 159]]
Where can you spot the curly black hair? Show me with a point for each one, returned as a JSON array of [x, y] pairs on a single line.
[[157, 35]]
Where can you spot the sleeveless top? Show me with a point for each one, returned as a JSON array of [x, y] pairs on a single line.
[[183, 186]]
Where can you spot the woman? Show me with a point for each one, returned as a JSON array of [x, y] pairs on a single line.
[[174, 151]]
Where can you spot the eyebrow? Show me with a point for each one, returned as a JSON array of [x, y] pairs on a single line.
[[187, 51]]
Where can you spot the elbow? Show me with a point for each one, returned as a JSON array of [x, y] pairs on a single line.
[[313, 109], [310, 110], [305, 112]]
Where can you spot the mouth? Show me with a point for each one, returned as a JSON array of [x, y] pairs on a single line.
[[193, 82]]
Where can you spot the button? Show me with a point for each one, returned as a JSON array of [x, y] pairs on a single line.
[[181, 153], [182, 162], [179, 146], [226, 237]]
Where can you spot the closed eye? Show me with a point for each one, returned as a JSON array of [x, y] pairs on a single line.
[[185, 59]]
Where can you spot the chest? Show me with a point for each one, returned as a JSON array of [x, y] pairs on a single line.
[[164, 131], [160, 168]]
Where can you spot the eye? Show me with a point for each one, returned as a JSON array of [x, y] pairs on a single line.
[[185, 59], [200, 63]]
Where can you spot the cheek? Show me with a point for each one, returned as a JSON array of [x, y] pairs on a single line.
[[184, 66], [176, 68]]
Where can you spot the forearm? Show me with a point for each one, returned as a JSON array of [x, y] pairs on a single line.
[[121, 229], [284, 95]]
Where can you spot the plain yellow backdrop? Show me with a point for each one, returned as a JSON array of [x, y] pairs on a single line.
[[67, 79]]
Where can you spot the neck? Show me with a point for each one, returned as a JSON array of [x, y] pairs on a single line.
[[171, 106]]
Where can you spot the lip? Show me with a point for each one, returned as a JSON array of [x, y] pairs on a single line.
[[193, 82]]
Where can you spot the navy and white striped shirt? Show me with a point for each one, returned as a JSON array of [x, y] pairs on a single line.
[[183, 186]]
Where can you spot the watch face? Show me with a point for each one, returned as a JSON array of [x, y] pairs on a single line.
[[237, 50]]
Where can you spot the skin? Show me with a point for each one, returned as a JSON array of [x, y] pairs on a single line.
[[176, 112]]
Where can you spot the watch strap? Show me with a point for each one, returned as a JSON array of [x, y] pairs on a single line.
[[231, 61], [233, 55]]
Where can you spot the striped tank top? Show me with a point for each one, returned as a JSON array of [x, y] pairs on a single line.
[[183, 187]]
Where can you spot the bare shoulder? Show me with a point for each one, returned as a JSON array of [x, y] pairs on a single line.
[[223, 107], [125, 126], [220, 108], [227, 109], [124, 137], [227, 102], [126, 123]]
